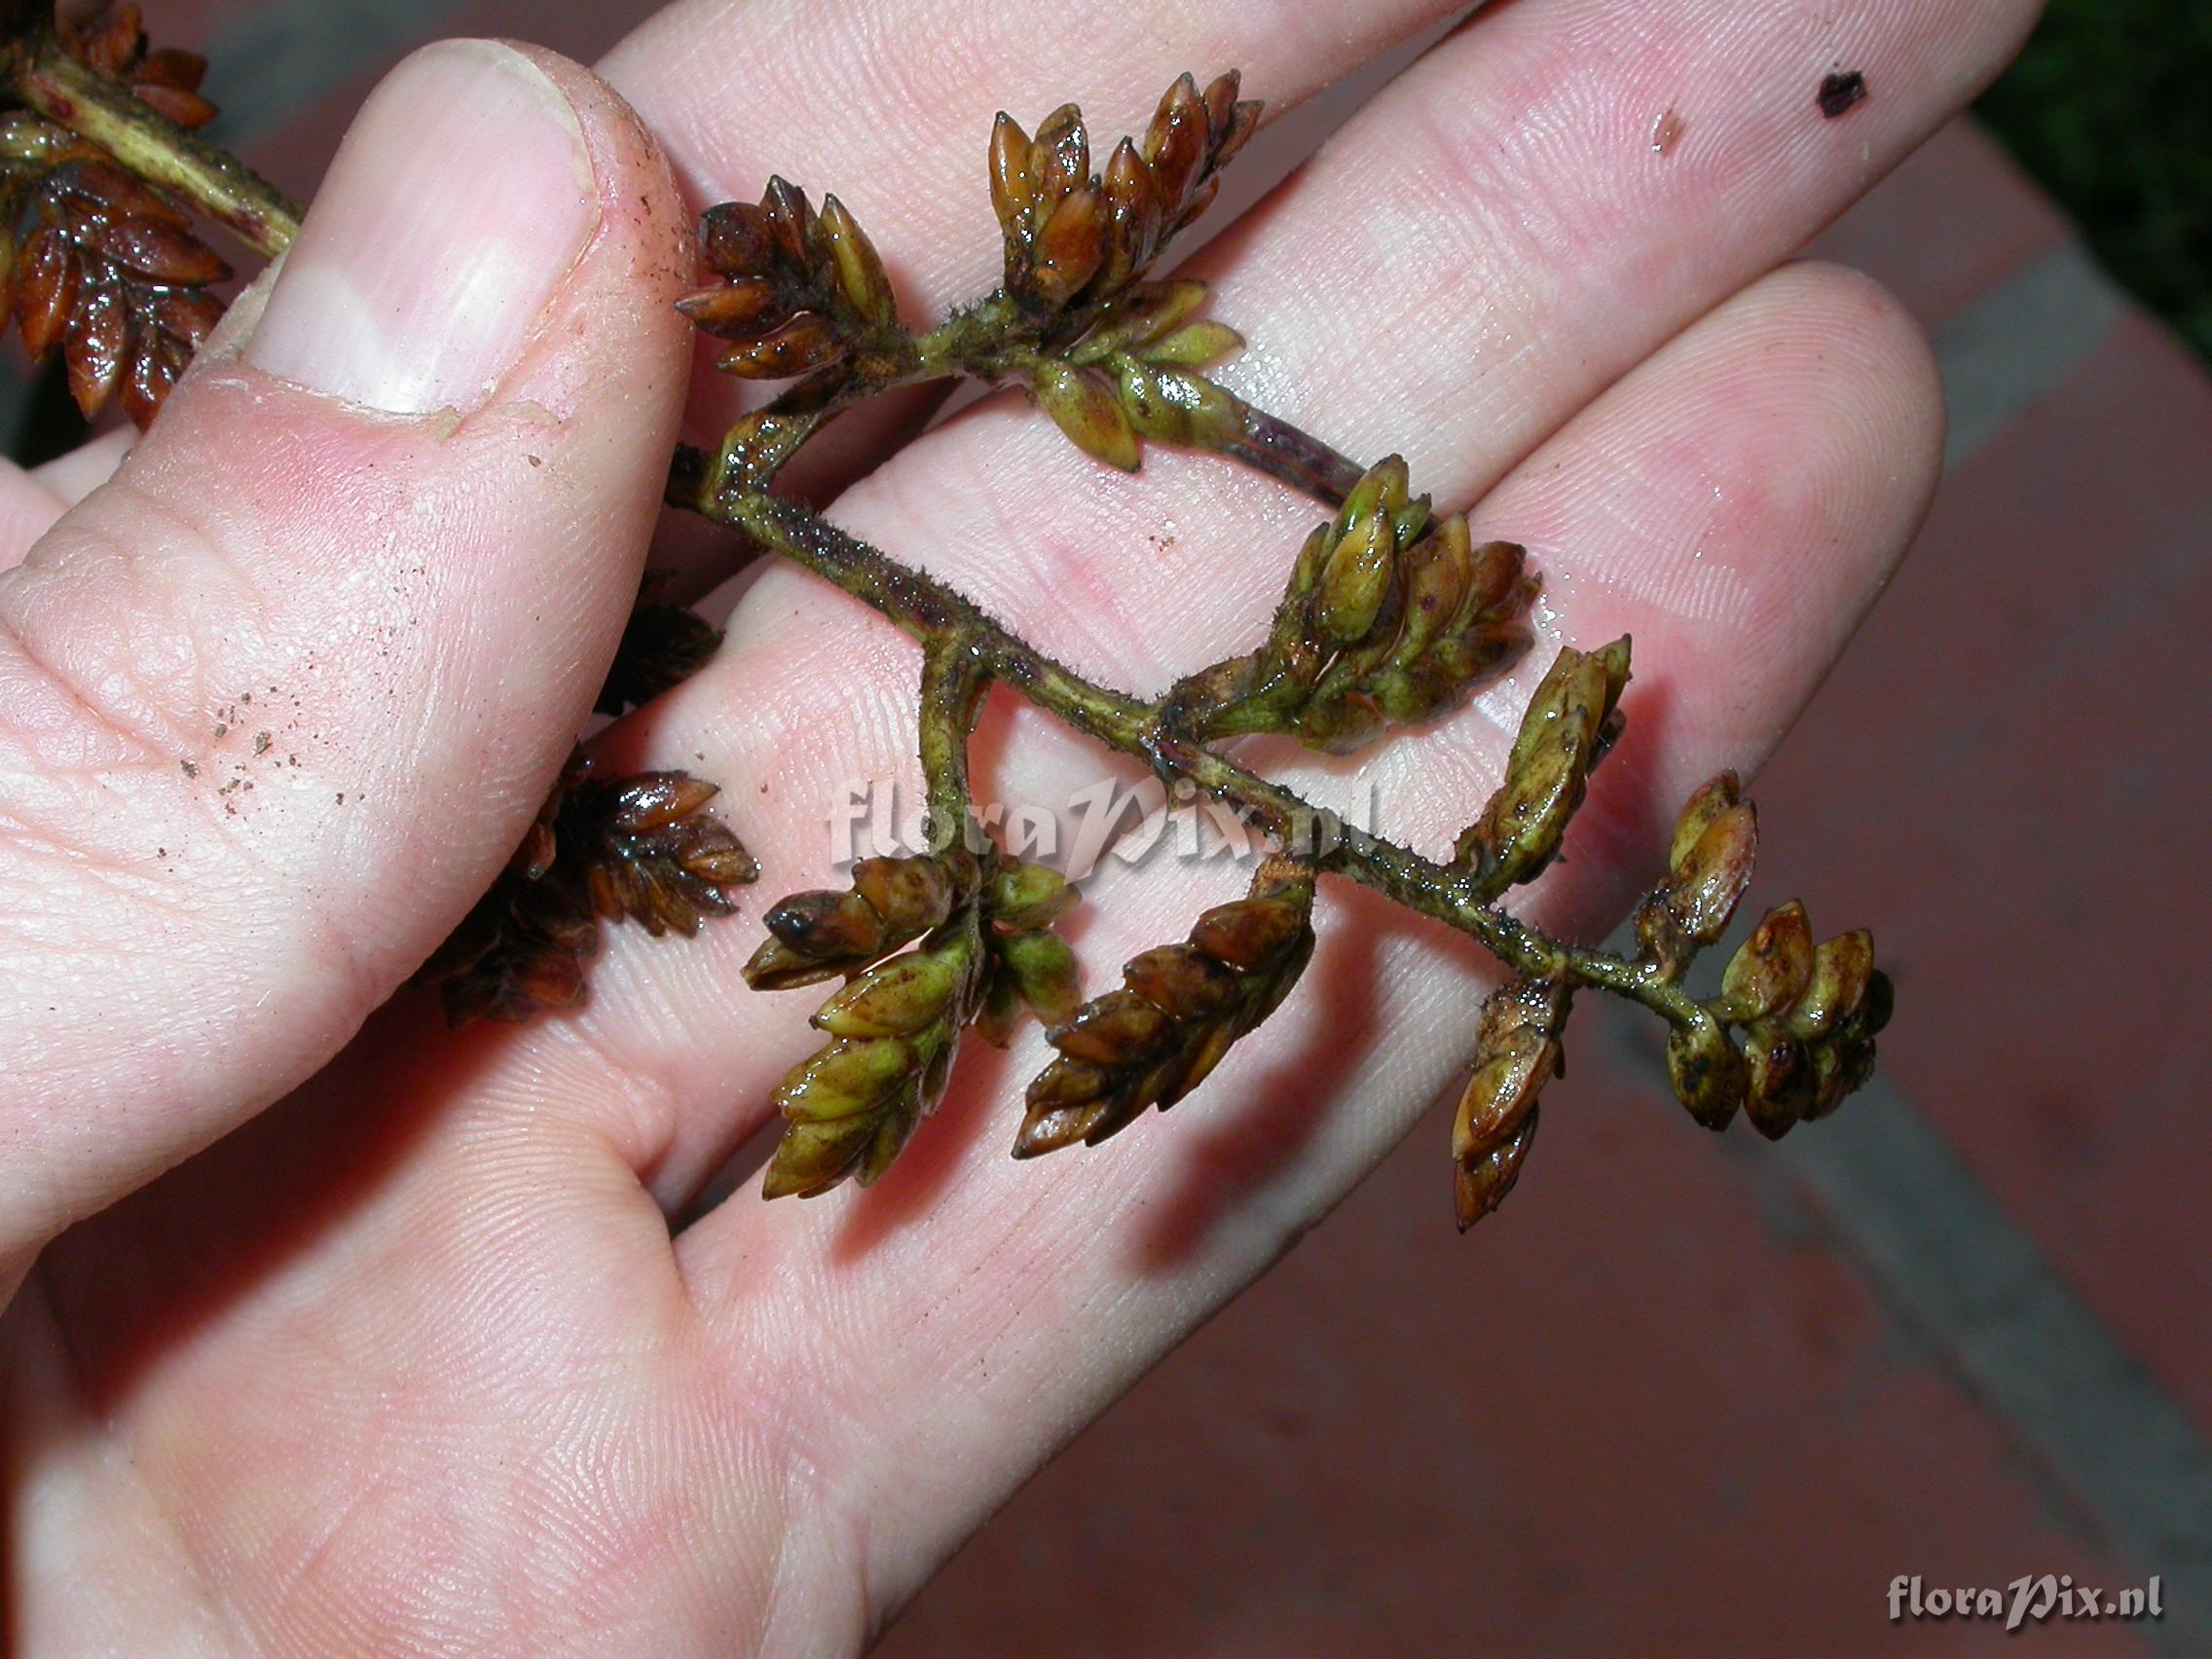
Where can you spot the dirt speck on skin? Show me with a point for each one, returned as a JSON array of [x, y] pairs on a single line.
[[1667, 132], [191, 770], [1842, 92], [261, 742]]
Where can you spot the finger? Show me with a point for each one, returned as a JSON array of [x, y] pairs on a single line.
[[280, 699], [1488, 246], [34, 500], [1787, 446], [28, 507], [1137, 581]]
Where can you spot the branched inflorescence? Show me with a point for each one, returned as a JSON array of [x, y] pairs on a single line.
[[640, 849], [93, 259], [1392, 617]]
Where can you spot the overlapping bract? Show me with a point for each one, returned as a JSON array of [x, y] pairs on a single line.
[[640, 849], [801, 289], [850, 1108], [1792, 1032], [1176, 1014], [1716, 844], [1075, 239], [1392, 617], [1135, 377], [94, 260], [893, 902], [1569, 723], [1517, 1051], [102, 266], [981, 947], [1032, 968], [1808, 1017], [113, 41]]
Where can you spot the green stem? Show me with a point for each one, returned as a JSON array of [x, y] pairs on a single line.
[[155, 148], [954, 629], [955, 677], [992, 342]]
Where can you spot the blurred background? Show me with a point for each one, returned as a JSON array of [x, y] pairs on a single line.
[[1700, 1396]]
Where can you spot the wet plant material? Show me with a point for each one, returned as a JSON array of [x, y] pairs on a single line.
[[1842, 92], [640, 849], [113, 42], [1392, 618], [664, 644], [1172, 1020], [982, 949], [97, 261]]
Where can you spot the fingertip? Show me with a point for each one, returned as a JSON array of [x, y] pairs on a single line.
[[1895, 379]]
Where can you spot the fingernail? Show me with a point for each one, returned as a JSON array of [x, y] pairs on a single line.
[[461, 199]]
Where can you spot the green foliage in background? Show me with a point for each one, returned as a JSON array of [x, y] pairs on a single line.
[[2111, 107]]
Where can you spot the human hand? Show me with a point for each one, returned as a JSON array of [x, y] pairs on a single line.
[[411, 1362]]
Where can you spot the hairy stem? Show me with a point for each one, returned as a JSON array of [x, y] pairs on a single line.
[[950, 625], [966, 649], [954, 680], [155, 149]]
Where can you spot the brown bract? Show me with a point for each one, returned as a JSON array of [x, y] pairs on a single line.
[[1518, 1052], [1175, 1015], [982, 947], [821, 934], [94, 260], [1392, 617], [113, 41], [640, 849], [663, 646], [1569, 724], [1073, 236], [1809, 1016], [801, 289], [1716, 845]]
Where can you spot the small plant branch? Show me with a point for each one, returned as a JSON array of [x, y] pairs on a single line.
[[50, 80], [935, 614], [1390, 618], [955, 678], [1272, 445]]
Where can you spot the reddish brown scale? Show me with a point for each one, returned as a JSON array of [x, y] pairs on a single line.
[[1176, 1014], [640, 849], [102, 265], [664, 644]]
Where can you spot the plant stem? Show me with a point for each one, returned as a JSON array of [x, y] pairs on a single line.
[[965, 648], [1279, 449], [955, 676], [985, 343], [155, 148], [953, 628]]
